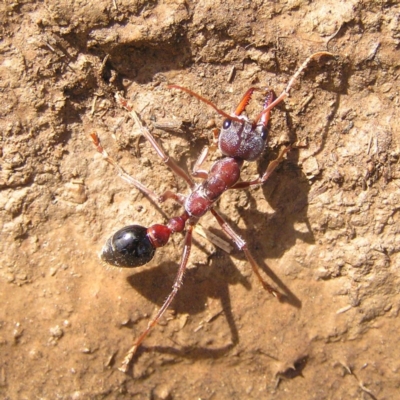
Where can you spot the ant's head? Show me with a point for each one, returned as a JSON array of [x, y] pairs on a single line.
[[238, 137], [129, 247], [242, 139]]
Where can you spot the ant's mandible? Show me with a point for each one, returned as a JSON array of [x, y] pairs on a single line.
[[239, 140]]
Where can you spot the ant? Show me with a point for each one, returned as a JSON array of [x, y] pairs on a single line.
[[239, 140]]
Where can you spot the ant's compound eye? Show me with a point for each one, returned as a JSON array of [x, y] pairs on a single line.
[[264, 133], [227, 123], [129, 247]]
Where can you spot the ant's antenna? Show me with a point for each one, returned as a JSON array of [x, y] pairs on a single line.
[[204, 100]]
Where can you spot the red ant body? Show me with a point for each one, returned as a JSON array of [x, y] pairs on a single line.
[[239, 140]]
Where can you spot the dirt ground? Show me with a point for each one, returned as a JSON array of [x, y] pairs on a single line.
[[325, 227]]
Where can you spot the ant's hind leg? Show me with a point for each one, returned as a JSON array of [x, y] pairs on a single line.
[[177, 284], [242, 245]]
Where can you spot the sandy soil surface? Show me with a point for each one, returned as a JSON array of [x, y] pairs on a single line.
[[325, 227]]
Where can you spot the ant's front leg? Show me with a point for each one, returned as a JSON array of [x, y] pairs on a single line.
[[197, 172], [270, 169], [202, 173]]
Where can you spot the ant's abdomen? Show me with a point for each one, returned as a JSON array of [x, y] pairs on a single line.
[[129, 247]]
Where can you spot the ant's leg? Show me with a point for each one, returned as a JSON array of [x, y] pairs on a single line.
[[242, 245], [200, 173], [159, 150], [179, 198], [121, 172], [177, 284], [270, 169], [197, 172]]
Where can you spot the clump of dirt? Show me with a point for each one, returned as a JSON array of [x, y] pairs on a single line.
[[325, 226]]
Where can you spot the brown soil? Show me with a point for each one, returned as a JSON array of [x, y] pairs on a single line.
[[325, 226]]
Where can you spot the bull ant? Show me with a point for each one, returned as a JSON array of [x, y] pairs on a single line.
[[239, 140]]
